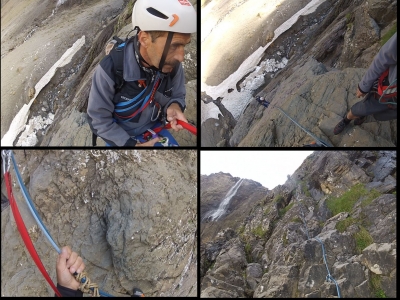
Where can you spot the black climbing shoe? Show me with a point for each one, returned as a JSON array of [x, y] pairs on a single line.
[[360, 120], [340, 126], [137, 293]]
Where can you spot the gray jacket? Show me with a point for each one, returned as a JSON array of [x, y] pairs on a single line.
[[101, 105], [385, 59]]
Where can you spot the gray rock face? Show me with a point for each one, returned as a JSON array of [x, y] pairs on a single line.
[[380, 258], [226, 274], [130, 214], [283, 257], [253, 275], [382, 11], [278, 283], [318, 102], [385, 165]]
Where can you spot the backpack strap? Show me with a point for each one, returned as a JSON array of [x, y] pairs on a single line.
[[117, 56], [94, 139]]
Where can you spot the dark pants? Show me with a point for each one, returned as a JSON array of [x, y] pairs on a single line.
[[371, 106]]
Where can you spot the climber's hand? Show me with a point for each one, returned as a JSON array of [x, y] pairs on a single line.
[[149, 143], [175, 113], [359, 93], [68, 263]]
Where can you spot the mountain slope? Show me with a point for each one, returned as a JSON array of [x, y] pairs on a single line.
[[311, 71], [346, 200]]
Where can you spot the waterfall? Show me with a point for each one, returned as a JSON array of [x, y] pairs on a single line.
[[221, 209]]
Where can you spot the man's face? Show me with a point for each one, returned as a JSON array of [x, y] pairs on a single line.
[[175, 54]]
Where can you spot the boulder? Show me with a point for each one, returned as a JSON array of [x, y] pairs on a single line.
[[382, 11], [380, 258], [380, 218], [253, 275], [385, 166], [278, 283]]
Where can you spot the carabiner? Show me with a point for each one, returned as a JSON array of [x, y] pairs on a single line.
[[6, 163], [158, 113]]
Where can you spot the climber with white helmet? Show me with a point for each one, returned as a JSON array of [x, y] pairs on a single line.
[[262, 101], [140, 84]]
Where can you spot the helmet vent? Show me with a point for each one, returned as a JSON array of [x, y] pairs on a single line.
[[156, 13]]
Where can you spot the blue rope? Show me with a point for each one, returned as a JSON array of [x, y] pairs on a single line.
[[329, 277], [32, 207], [39, 220]]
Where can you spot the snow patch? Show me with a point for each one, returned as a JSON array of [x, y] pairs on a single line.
[[19, 121], [28, 137], [209, 110], [60, 2], [249, 65]]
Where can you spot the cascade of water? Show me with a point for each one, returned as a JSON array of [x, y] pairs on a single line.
[[221, 209]]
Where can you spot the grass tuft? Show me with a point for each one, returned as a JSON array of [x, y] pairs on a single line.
[[346, 202], [373, 194], [363, 239], [341, 226], [305, 189], [247, 250], [296, 220], [389, 34], [258, 231], [375, 283], [282, 211]]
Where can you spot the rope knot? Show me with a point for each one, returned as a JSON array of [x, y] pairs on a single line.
[[86, 286]]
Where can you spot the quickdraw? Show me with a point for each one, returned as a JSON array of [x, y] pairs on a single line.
[[7, 157]]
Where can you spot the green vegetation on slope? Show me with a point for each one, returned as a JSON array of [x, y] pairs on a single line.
[[258, 231], [389, 34], [247, 250], [375, 283], [305, 189], [363, 239], [278, 198], [345, 202], [341, 226], [282, 211]]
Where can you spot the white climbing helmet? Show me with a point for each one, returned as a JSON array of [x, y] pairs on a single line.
[[164, 15]]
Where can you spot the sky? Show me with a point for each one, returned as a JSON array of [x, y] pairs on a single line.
[[270, 168]]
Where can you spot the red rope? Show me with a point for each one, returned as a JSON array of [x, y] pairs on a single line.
[[192, 129], [25, 235]]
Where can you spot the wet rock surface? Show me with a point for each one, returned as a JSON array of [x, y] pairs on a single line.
[[283, 257], [131, 215]]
